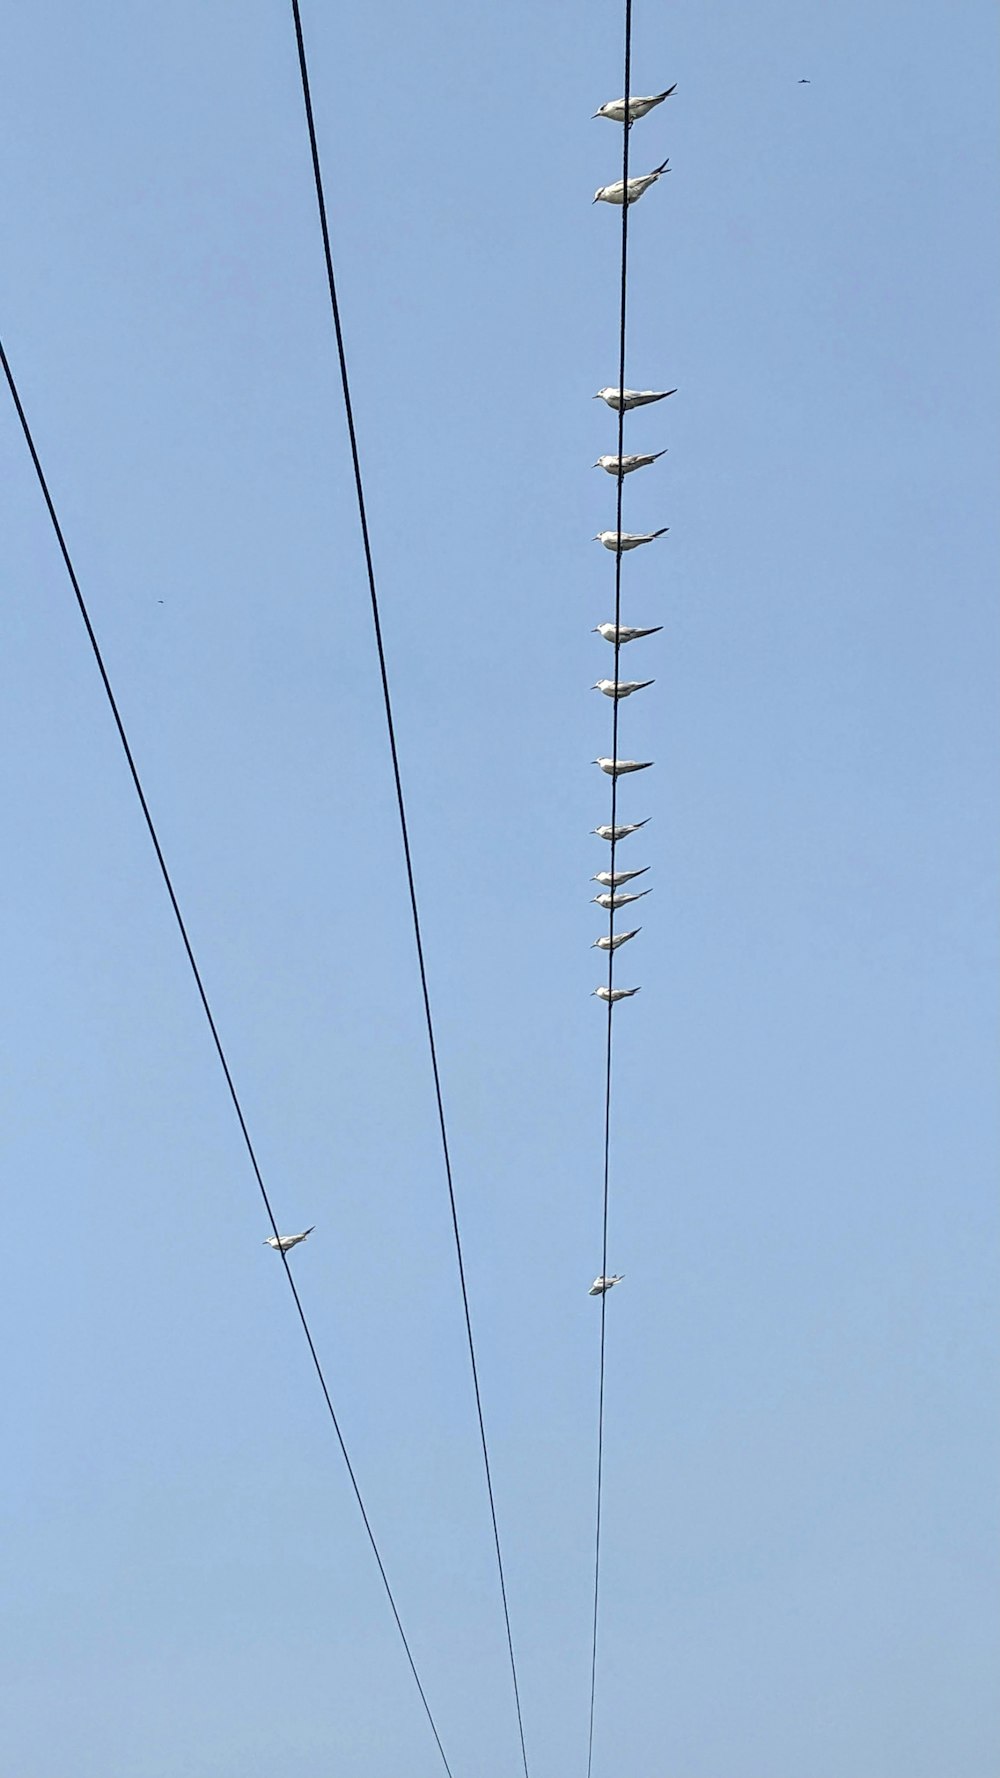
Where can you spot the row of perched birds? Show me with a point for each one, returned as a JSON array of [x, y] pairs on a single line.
[[611, 882], [614, 894]]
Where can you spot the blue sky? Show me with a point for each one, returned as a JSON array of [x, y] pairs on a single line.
[[800, 1561]]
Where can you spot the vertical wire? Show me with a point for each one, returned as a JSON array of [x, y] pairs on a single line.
[[405, 838], [213, 1028], [611, 911]]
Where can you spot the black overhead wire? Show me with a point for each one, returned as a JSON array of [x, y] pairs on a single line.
[[216, 1039], [611, 912], [404, 831]]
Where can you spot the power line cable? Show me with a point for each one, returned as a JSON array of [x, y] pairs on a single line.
[[611, 913], [216, 1039], [404, 832]]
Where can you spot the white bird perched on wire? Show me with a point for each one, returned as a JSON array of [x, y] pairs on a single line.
[[620, 193], [630, 398], [611, 996], [600, 1285], [615, 108], [611, 902], [613, 879], [615, 767], [610, 942], [618, 833], [622, 633], [625, 465], [621, 688], [281, 1243], [627, 539]]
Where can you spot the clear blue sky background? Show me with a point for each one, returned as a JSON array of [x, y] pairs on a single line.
[[800, 1576]]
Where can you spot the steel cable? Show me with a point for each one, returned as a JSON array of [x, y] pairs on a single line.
[[216, 1039], [611, 913], [404, 832]]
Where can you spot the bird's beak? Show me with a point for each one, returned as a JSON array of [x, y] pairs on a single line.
[[597, 113]]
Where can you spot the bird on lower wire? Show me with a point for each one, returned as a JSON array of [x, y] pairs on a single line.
[[620, 193], [625, 465], [627, 539], [630, 398], [621, 832], [621, 688], [600, 1285], [283, 1242], [638, 107], [613, 995], [611, 941], [622, 633]]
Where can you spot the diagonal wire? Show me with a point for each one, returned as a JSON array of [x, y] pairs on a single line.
[[611, 915], [404, 831], [216, 1039]]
